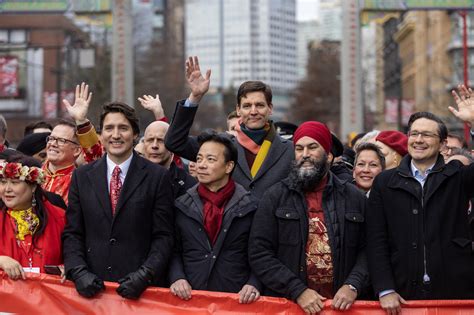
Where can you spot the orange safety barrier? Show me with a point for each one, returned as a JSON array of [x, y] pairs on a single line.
[[44, 294]]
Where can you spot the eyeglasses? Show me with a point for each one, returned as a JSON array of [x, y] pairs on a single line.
[[60, 141], [425, 135]]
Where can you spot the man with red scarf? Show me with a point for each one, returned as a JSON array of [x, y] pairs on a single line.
[[307, 238], [213, 221], [264, 157]]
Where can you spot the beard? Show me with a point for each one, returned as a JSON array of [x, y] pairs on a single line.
[[306, 179]]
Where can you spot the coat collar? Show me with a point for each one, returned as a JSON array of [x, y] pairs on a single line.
[[98, 180], [277, 149], [405, 177]]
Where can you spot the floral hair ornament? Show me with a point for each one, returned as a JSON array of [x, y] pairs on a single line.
[[31, 174]]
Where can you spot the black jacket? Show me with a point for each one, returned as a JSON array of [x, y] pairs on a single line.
[[140, 232], [275, 167], [225, 266], [180, 180], [413, 230], [277, 246]]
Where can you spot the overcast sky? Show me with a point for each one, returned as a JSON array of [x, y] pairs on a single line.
[[307, 10]]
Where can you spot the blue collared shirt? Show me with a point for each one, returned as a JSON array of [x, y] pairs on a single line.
[[418, 175]]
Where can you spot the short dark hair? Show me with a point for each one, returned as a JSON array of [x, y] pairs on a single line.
[[230, 153], [459, 138], [69, 123], [254, 86], [36, 124], [368, 146], [442, 129], [127, 111]]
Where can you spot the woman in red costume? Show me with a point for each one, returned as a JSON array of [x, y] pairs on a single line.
[[31, 220]]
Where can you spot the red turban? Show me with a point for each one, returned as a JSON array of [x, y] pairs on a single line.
[[315, 130]]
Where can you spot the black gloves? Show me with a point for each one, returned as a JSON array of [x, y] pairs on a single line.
[[133, 284], [87, 283]]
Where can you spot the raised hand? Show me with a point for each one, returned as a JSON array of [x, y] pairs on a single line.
[[82, 99], [152, 104], [464, 99], [197, 82]]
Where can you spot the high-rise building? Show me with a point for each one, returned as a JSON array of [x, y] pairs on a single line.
[[244, 40], [308, 31], [330, 14]]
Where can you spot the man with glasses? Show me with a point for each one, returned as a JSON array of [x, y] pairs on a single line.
[[62, 150], [418, 241]]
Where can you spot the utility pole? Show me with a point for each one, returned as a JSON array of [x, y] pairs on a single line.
[[122, 52]]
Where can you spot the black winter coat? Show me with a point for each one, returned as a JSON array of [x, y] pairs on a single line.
[[139, 234], [413, 231], [225, 266], [277, 246], [180, 180]]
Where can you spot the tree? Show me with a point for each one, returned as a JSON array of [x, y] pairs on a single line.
[[317, 96]]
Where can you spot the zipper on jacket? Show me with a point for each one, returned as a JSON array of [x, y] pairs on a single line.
[[426, 277]]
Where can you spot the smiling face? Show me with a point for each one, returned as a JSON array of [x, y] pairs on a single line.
[[212, 169], [117, 137], [367, 166], [254, 110], [426, 145], [62, 155], [16, 194]]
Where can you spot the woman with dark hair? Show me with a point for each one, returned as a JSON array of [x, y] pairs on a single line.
[[369, 162], [31, 222]]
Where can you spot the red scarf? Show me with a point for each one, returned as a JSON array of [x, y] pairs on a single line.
[[214, 203]]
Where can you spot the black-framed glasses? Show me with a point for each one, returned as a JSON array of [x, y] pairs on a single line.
[[60, 141], [424, 135]]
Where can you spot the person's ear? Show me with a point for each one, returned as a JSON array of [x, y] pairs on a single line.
[[229, 167]]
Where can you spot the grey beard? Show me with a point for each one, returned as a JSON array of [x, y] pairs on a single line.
[[307, 179]]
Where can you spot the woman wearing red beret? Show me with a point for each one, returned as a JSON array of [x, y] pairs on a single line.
[[393, 145]]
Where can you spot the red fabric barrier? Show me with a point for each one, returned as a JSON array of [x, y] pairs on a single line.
[[44, 294]]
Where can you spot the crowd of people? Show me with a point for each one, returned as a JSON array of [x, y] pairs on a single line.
[[265, 208]]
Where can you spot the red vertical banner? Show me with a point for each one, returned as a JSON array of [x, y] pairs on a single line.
[[9, 76]]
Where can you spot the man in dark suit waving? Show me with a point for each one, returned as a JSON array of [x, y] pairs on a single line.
[[119, 218]]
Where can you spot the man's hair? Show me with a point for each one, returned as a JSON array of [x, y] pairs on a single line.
[[127, 111], [69, 123], [368, 146], [36, 124], [464, 152], [3, 126], [459, 138], [230, 152], [442, 129], [232, 115], [254, 86]]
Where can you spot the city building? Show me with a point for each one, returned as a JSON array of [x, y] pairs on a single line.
[[245, 40], [330, 14], [308, 31]]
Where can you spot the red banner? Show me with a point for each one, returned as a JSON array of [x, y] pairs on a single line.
[[44, 294], [8, 76]]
